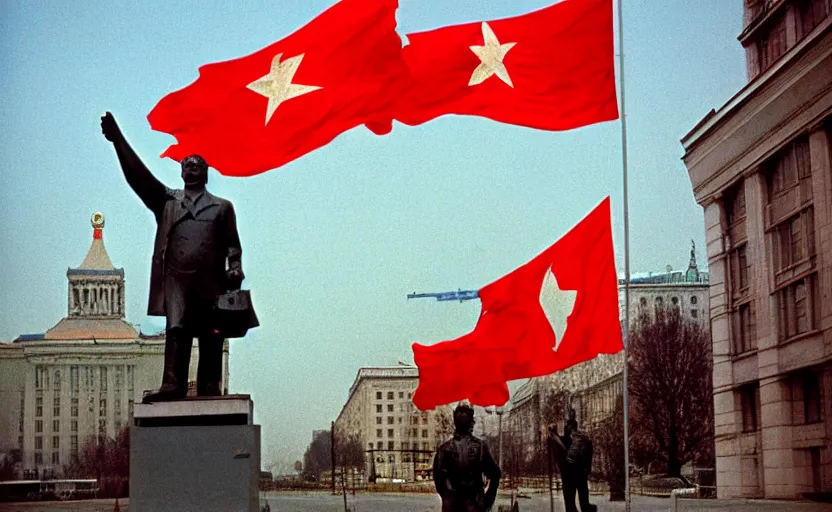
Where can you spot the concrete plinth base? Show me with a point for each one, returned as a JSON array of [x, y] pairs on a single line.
[[197, 455]]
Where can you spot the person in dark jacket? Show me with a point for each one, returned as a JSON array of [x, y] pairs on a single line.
[[460, 465], [196, 258], [574, 455]]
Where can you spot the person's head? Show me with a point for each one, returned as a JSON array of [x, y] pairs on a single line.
[[463, 419], [194, 171], [571, 426]]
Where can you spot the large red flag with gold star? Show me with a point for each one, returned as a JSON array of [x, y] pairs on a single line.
[[248, 115]]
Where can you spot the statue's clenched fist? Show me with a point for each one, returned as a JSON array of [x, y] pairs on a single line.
[[109, 127]]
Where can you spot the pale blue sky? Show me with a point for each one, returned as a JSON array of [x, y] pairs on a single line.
[[333, 242]]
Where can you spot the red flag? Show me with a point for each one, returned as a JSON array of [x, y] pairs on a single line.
[[551, 69], [251, 114], [557, 310]]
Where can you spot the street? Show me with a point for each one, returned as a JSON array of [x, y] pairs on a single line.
[[325, 502]]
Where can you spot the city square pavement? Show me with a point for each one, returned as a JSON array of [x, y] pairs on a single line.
[[325, 502]]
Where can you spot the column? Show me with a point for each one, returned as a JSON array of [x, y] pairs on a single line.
[[819, 150], [778, 456]]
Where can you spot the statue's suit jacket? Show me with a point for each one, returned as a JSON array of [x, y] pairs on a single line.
[[168, 207]]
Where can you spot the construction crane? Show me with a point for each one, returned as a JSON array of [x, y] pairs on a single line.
[[459, 295]]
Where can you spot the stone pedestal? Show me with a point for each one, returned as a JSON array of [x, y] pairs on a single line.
[[196, 454]]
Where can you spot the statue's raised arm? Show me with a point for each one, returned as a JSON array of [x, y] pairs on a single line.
[[151, 191]]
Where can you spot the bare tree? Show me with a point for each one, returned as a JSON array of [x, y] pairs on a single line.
[[318, 456], [107, 460], [670, 361]]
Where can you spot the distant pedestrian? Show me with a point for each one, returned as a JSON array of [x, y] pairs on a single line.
[[573, 452], [460, 465]]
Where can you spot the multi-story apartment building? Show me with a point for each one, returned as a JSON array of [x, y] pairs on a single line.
[[399, 440], [760, 168]]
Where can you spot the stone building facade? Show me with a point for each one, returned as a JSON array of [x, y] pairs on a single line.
[[760, 168], [398, 439], [79, 379]]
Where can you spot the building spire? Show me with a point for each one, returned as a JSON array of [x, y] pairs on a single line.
[[693, 269], [97, 257]]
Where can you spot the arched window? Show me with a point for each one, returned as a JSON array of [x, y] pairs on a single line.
[[693, 299], [659, 301], [675, 301], [643, 302]]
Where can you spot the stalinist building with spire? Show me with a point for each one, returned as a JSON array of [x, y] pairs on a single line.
[[80, 378]]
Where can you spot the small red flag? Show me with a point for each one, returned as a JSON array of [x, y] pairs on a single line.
[[255, 113], [551, 69], [557, 310]]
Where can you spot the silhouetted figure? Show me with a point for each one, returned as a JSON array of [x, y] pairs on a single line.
[[460, 465], [573, 452], [196, 257]]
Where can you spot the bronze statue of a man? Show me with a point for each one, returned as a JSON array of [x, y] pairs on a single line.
[[460, 465], [196, 258], [573, 452]]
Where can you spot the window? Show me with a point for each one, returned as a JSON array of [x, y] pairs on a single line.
[[693, 299], [400, 420], [745, 335], [415, 432], [642, 302], [56, 425], [749, 401], [56, 442], [74, 407], [401, 394], [424, 433], [405, 445], [39, 406], [391, 457], [389, 407], [389, 432], [739, 270], [378, 432], [694, 313], [38, 425], [74, 425], [38, 443], [794, 239], [103, 375], [390, 420], [370, 446], [56, 406], [812, 412], [811, 13], [58, 379], [378, 395], [378, 407], [797, 307], [378, 420], [56, 458], [414, 420], [409, 396], [772, 44], [38, 458], [73, 445], [674, 301], [73, 379], [389, 395]]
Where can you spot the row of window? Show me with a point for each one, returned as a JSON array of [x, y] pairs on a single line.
[[123, 375], [391, 395], [405, 446], [414, 432], [790, 241], [807, 403], [56, 445], [774, 41]]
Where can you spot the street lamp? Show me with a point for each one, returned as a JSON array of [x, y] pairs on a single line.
[[498, 410]]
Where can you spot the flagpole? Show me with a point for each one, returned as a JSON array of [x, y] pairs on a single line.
[[626, 261]]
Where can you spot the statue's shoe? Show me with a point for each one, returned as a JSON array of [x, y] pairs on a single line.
[[163, 395]]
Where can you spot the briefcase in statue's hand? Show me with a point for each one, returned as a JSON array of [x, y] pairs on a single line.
[[235, 314]]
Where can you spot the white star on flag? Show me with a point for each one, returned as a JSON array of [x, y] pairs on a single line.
[[277, 84], [557, 304], [491, 55]]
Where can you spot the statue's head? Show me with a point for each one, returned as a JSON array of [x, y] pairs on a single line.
[[463, 419], [194, 171]]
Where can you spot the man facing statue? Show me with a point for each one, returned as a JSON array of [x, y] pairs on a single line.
[[460, 465], [196, 258]]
